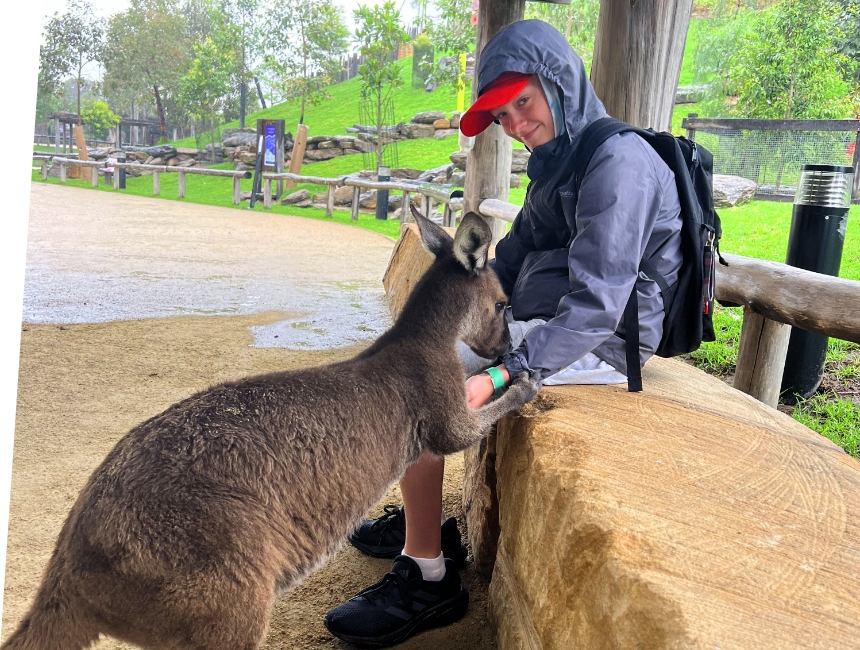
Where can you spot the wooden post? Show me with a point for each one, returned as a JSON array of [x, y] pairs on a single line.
[[57, 136], [426, 205], [63, 173], [299, 145], [267, 193], [488, 164], [94, 176], [446, 215], [356, 195], [404, 207], [691, 133], [44, 170], [115, 177], [156, 184], [237, 190], [761, 357], [329, 202], [181, 184], [638, 49]]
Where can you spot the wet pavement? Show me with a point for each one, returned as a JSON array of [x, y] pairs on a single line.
[[97, 257]]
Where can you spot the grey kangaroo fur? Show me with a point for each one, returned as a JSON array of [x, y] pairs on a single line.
[[199, 516]]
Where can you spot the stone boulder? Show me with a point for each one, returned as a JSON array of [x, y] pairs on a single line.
[[442, 124], [688, 515], [455, 120], [428, 117], [295, 197], [519, 161], [238, 137], [314, 155], [405, 172], [160, 151], [441, 134], [415, 131], [731, 191], [458, 158], [343, 195]]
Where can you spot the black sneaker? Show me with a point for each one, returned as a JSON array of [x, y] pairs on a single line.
[[384, 537], [400, 605]]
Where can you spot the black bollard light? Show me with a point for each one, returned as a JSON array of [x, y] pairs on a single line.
[[121, 157], [383, 175], [818, 222]]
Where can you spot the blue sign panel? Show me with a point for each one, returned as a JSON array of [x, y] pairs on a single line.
[[269, 156]]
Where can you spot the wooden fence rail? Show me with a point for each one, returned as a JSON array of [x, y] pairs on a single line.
[[429, 191]]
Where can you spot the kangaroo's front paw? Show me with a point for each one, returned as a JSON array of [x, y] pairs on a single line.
[[526, 387]]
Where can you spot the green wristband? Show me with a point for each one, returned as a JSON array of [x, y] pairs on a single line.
[[498, 379]]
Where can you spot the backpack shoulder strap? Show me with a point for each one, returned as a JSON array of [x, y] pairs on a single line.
[[596, 134]]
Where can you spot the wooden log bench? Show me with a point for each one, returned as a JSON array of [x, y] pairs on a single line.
[[687, 516]]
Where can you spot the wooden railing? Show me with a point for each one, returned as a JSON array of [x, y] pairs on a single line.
[[157, 170], [431, 192]]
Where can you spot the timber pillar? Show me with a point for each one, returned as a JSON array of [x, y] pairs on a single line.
[[488, 164]]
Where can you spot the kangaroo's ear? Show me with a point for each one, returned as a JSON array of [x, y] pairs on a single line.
[[472, 242], [435, 240]]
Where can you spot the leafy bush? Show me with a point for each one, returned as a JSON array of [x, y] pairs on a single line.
[[100, 118]]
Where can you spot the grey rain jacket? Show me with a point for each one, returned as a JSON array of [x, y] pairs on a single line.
[[627, 209]]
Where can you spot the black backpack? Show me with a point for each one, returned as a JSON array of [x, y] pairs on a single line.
[[689, 304]]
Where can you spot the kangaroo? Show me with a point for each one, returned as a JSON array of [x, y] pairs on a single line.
[[201, 515]]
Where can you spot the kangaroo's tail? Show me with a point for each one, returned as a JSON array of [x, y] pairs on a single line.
[[57, 619]]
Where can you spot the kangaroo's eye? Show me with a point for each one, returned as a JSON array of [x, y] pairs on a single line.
[[500, 306]]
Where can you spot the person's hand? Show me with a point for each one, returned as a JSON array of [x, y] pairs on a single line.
[[480, 388]]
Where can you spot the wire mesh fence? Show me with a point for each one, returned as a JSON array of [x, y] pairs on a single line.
[[771, 152], [371, 113]]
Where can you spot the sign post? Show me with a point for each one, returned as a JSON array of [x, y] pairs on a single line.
[[270, 155]]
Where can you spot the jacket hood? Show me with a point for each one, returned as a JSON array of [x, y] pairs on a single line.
[[536, 47]]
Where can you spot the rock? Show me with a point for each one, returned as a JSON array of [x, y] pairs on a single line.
[[172, 162], [367, 200], [327, 144], [458, 158], [441, 134], [455, 120], [160, 151], [248, 158], [679, 546], [304, 204], [148, 160], [229, 133], [242, 167], [519, 161], [343, 195], [186, 151], [320, 197], [428, 117], [156, 161], [458, 179], [322, 154], [516, 181], [442, 124], [246, 196], [187, 163], [295, 197], [239, 139], [430, 174], [415, 131], [691, 94], [395, 200], [350, 152], [97, 154], [362, 146], [730, 191], [316, 139], [405, 172]]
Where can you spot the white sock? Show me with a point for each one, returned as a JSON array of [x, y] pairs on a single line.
[[432, 570]]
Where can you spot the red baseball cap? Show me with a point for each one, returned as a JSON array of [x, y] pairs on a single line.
[[506, 86]]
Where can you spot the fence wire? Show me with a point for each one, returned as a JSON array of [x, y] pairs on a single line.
[[367, 114], [773, 158]]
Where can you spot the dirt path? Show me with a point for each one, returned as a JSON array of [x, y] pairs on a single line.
[[83, 385]]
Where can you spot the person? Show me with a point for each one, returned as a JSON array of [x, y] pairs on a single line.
[[625, 208]]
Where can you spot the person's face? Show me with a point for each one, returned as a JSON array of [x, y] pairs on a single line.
[[527, 117]]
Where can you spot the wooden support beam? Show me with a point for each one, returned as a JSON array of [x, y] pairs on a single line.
[[45, 167], [267, 193], [181, 184], [488, 164], [761, 357], [638, 49], [237, 190], [115, 177], [426, 205], [404, 207], [156, 184], [298, 153], [94, 176], [329, 201], [63, 172], [356, 195]]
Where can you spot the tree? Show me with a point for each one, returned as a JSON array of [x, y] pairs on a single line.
[[787, 66], [848, 42], [378, 32], [206, 82], [71, 41], [240, 24], [452, 33], [100, 118], [304, 45], [147, 50]]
